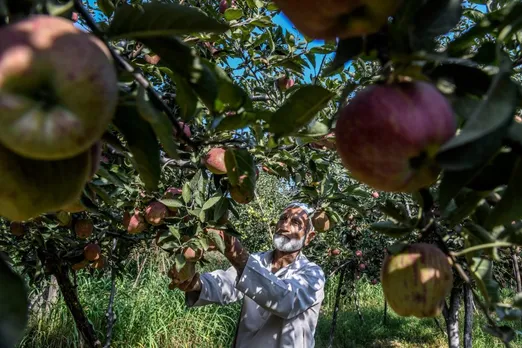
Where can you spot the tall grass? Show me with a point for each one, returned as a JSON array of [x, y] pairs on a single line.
[[149, 315]]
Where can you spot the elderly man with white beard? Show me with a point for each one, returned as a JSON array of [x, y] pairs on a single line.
[[281, 289]]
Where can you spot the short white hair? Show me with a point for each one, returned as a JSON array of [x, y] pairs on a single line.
[[307, 209]]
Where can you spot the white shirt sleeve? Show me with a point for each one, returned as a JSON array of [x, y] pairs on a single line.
[[218, 287], [285, 298]]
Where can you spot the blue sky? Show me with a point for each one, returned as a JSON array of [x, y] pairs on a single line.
[[283, 21]]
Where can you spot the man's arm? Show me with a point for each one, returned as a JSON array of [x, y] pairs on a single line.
[[216, 287], [285, 298]]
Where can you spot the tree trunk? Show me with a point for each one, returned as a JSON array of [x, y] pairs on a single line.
[[468, 316], [70, 296], [451, 315], [336, 308]]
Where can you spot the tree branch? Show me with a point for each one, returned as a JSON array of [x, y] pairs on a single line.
[[140, 78]]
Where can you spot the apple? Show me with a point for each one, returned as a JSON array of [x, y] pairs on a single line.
[[57, 78], [375, 194], [362, 267], [284, 83], [330, 19], [155, 213], [358, 253], [185, 127], [214, 160], [154, 60], [223, 5], [336, 252], [389, 134], [31, 187]]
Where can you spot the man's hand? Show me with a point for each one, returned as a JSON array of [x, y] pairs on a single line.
[[186, 279], [235, 253]]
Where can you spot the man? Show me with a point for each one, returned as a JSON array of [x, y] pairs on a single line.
[[282, 290]]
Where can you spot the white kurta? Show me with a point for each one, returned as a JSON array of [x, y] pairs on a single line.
[[279, 309]]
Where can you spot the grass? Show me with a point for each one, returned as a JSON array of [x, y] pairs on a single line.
[[149, 315]]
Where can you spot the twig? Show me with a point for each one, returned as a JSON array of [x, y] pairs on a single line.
[[110, 310], [482, 246], [140, 78]]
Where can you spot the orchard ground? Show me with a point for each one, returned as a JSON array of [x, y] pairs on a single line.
[[149, 315]]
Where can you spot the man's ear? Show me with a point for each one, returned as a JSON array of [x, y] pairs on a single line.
[[309, 237]]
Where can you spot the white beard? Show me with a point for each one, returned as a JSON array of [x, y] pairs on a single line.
[[285, 244]]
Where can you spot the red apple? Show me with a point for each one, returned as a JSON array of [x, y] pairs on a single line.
[[284, 83], [389, 134], [358, 253], [375, 194], [329, 19], [362, 267], [223, 5]]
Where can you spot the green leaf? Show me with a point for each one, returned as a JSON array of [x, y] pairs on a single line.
[[110, 177], [299, 109], [479, 232], [168, 240], [391, 229], [220, 208], [179, 261], [435, 18], [215, 238], [172, 203], [174, 231], [157, 19], [517, 300], [229, 94], [482, 270], [465, 207], [481, 137], [142, 143], [105, 196], [505, 333], [510, 206], [185, 62], [186, 192], [496, 173], [13, 307], [348, 49], [106, 6], [396, 211], [159, 121], [186, 99], [212, 201], [240, 167], [233, 14]]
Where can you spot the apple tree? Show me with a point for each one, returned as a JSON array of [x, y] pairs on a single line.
[[149, 122]]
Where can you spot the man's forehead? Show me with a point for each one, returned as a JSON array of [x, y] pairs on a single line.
[[296, 212]]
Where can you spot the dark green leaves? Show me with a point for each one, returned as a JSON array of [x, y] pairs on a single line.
[[299, 109], [159, 121], [13, 307], [391, 229], [106, 6], [156, 19], [240, 167], [435, 18], [482, 135], [510, 206], [141, 142]]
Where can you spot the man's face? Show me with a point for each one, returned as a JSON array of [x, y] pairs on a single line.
[[291, 230]]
